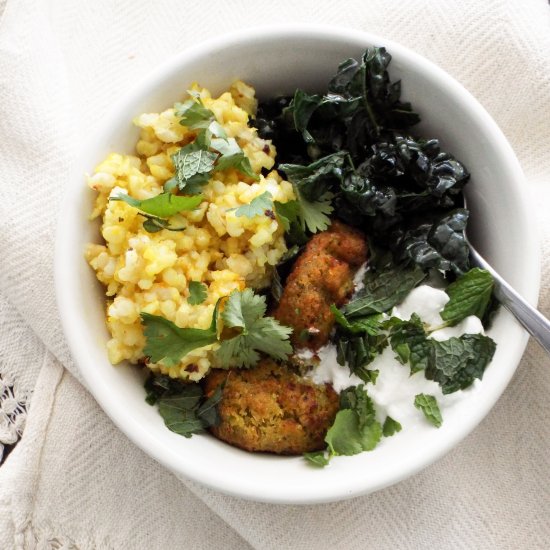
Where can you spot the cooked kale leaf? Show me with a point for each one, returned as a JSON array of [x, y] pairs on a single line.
[[402, 190], [436, 244]]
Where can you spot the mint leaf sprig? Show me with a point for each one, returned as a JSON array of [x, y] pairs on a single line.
[[455, 363], [211, 151], [428, 405], [184, 407]]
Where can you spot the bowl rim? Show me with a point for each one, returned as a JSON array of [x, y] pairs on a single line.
[[120, 416]]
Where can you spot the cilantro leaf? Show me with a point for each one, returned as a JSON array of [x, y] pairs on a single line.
[[383, 290], [245, 312], [288, 214], [257, 206], [390, 427], [312, 184], [409, 340], [232, 156], [456, 362], [315, 214], [197, 293], [153, 225], [355, 427], [317, 458], [194, 114], [469, 295], [428, 405], [163, 205], [168, 343], [344, 437]]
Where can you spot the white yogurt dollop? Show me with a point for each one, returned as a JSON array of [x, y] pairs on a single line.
[[395, 389]]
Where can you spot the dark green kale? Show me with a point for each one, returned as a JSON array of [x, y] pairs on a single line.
[[438, 243], [367, 168]]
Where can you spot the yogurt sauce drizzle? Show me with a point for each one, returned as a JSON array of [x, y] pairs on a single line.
[[394, 391]]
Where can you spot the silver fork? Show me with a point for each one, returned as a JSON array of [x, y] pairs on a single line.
[[532, 320]]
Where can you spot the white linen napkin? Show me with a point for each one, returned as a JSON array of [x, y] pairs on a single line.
[[74, 481]]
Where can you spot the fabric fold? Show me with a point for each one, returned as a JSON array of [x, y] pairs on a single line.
[[74, 480]]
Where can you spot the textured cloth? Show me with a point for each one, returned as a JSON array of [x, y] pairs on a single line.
[[75, 481]]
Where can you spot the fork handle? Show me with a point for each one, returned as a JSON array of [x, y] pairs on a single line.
[[534, 322]]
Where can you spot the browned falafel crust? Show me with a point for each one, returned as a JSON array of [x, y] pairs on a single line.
[[321, 276], [269, 408]]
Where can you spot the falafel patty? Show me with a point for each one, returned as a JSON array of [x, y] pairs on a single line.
[[321, 276], [269, 408]]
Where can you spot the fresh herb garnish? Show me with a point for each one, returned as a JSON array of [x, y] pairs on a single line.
[[357, 352], [455, 363], [390, 427], [197, 293], [383, 290], [410, 342], [163, 205], [194, 114], [355, 428], [249, 333], [317, 458], [291, 217], [245, 313], [154, 225], [232, 156], [168, 343], [211, 150], [194, 166], [469, 295], [257, 206], [428, 405], [182, 406]]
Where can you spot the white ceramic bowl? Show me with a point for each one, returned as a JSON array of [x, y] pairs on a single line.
[[276, 61]]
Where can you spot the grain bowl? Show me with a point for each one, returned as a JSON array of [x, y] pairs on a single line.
[[275, 61]]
